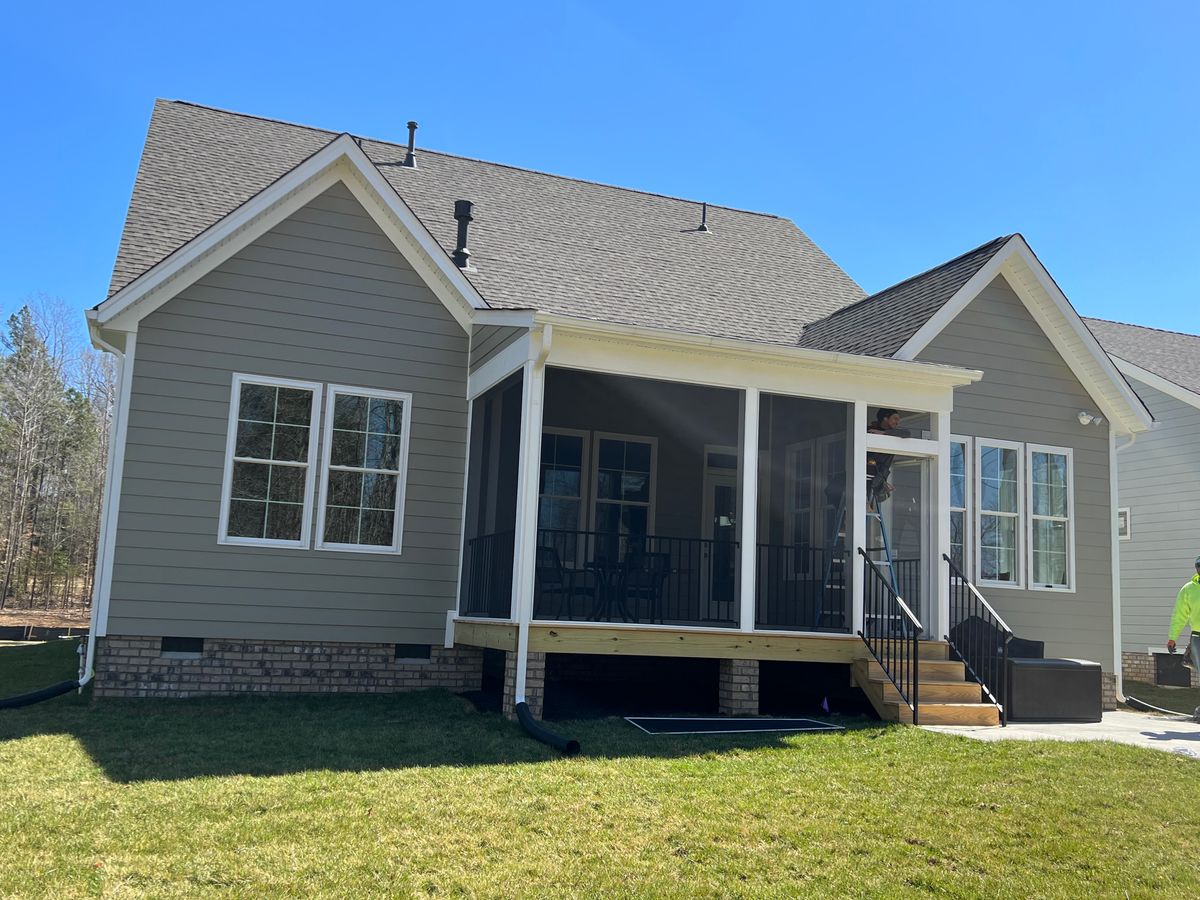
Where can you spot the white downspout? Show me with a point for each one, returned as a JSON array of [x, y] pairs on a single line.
[[527, 477], [1113, 450], [87, 665]]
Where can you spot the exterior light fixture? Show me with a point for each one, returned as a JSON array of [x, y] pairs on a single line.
[[1086, 418]]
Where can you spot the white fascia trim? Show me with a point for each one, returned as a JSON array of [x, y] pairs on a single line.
[[511, 318], [339, 160], [1054, 314], [910, 370], [1170, 388], [500, 366]]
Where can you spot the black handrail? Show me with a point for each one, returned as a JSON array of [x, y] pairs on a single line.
[[892, 633], [979, 637]]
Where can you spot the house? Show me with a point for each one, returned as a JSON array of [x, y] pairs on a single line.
[[1159, 489], [385, 412]]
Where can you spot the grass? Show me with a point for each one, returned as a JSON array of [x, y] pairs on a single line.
[[1184, 700], [420, 795]]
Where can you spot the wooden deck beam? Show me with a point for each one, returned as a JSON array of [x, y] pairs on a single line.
[[632, 641]]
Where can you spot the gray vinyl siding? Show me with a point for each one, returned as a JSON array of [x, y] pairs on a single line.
[[322, 297], [488, 340], [1029, 394], [1160, 483]]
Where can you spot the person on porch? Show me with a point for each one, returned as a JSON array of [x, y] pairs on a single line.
[[879, 465], [1187, 615]]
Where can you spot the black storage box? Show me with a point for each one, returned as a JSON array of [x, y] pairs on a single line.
[[1054, 690]]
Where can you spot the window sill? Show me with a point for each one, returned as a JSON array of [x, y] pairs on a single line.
[[358, 548], [262, 542], [1004, 585], [1052, 588]]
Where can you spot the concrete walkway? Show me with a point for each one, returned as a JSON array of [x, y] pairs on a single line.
[[1122, 726]]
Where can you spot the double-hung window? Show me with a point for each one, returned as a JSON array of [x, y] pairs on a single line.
[[999, 498], [1051, 556], [624, 484], [364, 463], [269, 460], [960, 485]]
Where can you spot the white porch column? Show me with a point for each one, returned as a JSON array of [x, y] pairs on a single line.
[[749, 512], [939, 509], [856, 509], [525, 542]]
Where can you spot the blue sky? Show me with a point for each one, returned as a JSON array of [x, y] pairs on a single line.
[[896, 134]]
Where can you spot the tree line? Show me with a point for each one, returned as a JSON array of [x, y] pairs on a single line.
[[56, 404]]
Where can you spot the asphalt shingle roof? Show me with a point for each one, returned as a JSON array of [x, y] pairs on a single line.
[[538, 241], [881, 324], [1168, 354]]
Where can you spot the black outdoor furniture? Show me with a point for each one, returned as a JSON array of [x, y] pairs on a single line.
[[1054, 690], [554, 581]]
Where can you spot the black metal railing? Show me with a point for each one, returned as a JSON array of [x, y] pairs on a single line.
[[979, 637], [891, 632], [487, 576], [909, 576], [645, 578], [801, 587]]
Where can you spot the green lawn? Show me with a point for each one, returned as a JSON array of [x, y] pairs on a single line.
[[1184, 700], [421, 795]]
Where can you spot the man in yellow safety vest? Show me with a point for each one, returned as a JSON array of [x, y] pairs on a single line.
[[1187, 616]]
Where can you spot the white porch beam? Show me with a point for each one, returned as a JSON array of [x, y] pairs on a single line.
[[939, 503], [856, 509], [748, 519]]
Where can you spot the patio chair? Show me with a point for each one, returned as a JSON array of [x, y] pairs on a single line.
[[554, 581], [643, 578]]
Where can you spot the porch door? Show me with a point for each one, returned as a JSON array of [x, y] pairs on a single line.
[[718, 577]]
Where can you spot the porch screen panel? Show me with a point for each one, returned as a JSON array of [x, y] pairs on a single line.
[[1050, 485], [999, 514]]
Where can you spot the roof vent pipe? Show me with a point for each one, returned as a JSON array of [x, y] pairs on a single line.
[[410, 158], [462, 212], [703, 217]]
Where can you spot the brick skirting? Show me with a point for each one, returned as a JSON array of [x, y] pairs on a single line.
[[535, 684], [136, 667], [737, 687], [1141, 667]]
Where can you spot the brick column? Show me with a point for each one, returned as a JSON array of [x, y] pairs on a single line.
[[535, 684], [738, 687], [1109, 686]]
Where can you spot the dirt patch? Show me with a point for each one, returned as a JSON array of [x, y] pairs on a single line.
[[46, 618]]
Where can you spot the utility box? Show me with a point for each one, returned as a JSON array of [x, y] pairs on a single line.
[[1054, 690]]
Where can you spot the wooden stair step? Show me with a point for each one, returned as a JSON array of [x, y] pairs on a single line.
[[945, 713], [933, 650], [928, 670]]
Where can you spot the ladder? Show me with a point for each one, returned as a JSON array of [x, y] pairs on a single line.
[[839, 543]]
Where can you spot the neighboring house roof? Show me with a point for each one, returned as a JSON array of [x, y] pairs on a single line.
[[881, 324], [538, 241], [1171, 355]]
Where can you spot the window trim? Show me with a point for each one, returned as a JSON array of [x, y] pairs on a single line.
[[235, 396], [1127, 535], [1017, 584], [397, 545], [595, 501], [584, 472], [967, 509], [1030, 449]]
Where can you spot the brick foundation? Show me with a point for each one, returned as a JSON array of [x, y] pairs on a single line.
[[137, 667], [737, 687], [1141, 667], [1108, 686], [535, 684]]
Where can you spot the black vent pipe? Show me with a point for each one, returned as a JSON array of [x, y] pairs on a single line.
[[410, 158], [462, 212]]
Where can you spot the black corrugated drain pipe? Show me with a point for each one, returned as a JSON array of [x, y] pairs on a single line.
[[566, 746], [38, 696]]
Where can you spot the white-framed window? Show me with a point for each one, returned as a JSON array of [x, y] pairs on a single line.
[[562, 490], [1124, 524], [1051, 534], [270, 457], [960, 498], [798, 501], [363, 470], [999, 505], [623, 483]]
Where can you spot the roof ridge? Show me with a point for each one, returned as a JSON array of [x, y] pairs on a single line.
[[485, 162], [892, 287], [1143, 327]]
